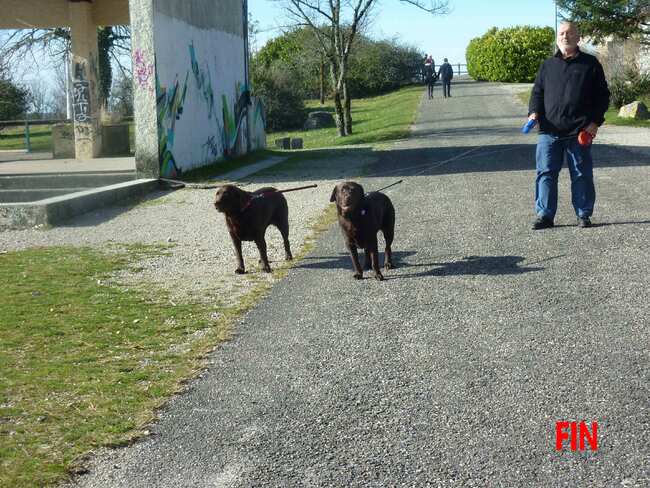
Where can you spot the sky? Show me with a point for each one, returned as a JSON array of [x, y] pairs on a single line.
[[441, 36]]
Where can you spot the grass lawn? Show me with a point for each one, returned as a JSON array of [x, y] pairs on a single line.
[[611, 116], [40, 137], [376, 119], [85, 362]]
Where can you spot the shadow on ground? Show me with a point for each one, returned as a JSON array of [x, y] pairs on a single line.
[[470, 265]]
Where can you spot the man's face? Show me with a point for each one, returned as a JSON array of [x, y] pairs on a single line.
[[567, 38]]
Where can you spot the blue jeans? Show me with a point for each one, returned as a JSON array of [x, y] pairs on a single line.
[[550, 155]]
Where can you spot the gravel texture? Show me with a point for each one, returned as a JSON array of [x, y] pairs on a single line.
[[454, 370]]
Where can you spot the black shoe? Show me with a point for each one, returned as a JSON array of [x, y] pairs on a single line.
[[584, 222], [542, 223]]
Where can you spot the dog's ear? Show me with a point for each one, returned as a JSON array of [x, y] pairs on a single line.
[[241, 198], [361, 189], [333, 196]]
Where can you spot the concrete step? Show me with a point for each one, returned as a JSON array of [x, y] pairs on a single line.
[[15, 196], [59, 209], [64, 180]]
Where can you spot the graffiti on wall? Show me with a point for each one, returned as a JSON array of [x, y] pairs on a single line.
[[203, 81], [143, 71], [258, 123], [81, 101], [169, 102], [224, 136]]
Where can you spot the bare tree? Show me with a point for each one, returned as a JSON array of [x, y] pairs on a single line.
[[114, 46], [41, 101], [335, 24]]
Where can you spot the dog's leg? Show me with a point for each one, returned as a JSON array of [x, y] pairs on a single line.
[[358, 272], [388, 230], [240, 260], [261, 245], [284, 230], [372, 246], [388, 253]]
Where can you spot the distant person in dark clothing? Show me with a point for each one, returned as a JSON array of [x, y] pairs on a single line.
[[429, 75], [570, 96], [446, 73]]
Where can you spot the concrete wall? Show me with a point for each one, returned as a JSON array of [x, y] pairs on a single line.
[[144, 88], [200, 83]]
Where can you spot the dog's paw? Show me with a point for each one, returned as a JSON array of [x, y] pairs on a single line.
[[267, 269], [288, 257], [240, 271], [379, 276], [389, 265], [358, 276]]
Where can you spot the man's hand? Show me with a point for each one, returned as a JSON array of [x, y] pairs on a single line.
[[592, 129], [532, 116]]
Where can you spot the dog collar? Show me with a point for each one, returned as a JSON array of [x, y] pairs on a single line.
[[255, 197]]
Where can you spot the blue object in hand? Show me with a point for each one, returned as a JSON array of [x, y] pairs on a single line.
[[529, 125]]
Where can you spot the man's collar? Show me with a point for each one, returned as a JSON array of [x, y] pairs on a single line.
[[558, 54]]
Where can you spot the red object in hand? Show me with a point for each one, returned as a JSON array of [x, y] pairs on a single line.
[[585, 138]]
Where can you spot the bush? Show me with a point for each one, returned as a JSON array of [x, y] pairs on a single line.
[[378, 67], [510, 55], [298, 53], [282, 96], [628, 87]]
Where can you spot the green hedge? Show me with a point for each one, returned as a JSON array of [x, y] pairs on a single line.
[[511, 55]]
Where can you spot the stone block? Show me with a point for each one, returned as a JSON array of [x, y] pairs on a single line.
[[63, 141], [635, 110], [318, 120], [115, 140], [283, 143]]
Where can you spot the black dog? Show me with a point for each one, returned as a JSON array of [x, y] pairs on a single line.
[[249, 214], [361, 217]]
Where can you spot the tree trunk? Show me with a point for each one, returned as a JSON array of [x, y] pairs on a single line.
[[322, 80], [339, 116], [347, 115]]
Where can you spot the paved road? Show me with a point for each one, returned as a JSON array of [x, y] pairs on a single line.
[[454, 371]]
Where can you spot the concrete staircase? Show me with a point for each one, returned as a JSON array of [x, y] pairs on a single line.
[[35, 199]]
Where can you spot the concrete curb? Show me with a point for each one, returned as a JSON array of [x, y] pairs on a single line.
[[55, 210]]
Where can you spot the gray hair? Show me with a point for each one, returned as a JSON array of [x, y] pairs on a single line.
[[573, 25]]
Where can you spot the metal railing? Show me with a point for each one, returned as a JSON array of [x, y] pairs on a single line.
[[26, 123]]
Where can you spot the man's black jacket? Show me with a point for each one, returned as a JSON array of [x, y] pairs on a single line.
[[569, 94]]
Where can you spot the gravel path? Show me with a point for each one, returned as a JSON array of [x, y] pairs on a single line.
[[452, 372]]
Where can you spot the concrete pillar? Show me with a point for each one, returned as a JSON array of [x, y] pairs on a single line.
[[85, 80], [147, 149]]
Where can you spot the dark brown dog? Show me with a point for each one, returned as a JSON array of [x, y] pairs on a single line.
[[249, 214], [361, 216]]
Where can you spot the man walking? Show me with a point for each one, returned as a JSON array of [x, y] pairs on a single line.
[[430, 75], [570, 96], [446, 73]]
